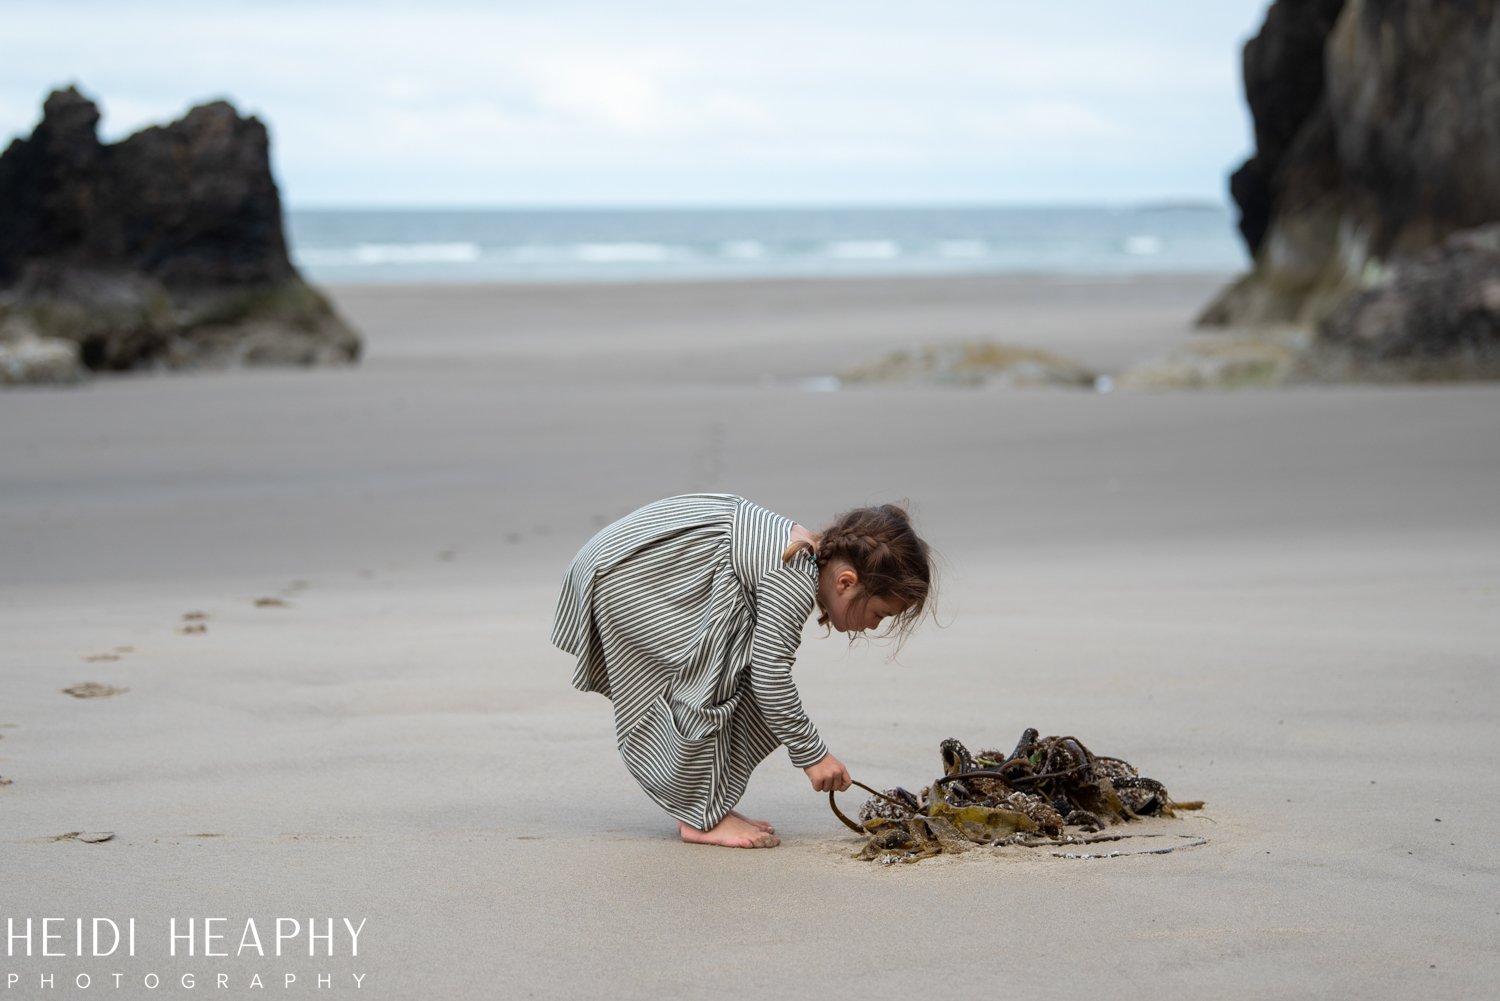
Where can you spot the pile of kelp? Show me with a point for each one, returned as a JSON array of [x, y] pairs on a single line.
[[1029, 797]]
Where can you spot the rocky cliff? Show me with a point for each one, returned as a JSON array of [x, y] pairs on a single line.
[[163, 250], [1377, 128]]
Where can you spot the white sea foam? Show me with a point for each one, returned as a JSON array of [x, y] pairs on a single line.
[[415, 253], [743, 250], [1142, 246], [627, 253]]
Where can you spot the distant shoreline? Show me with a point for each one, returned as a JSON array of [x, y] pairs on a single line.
[[1008, 279], [360, 246], [1163, 205], [745, 331]]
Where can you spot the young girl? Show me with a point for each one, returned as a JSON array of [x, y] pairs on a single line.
[[687, 614]]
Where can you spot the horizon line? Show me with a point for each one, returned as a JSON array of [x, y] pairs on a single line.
[[1151, 204]]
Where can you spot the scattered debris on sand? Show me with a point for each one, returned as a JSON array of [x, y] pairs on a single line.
[[1029, 797], [93, 690]]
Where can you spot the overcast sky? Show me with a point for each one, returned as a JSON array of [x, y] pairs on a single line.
[[649, 102]]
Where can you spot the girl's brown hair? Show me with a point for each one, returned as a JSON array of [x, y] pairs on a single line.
[[890, 558]]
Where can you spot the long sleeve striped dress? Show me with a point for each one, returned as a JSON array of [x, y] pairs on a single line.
[[684, 616]]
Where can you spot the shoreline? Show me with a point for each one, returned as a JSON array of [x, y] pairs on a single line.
[[1006, 278], [777, 330]]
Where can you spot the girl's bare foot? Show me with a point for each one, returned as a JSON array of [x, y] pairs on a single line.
[[764, 825], [732, 832]]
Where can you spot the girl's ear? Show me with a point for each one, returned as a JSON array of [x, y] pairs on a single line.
[[848, 578]]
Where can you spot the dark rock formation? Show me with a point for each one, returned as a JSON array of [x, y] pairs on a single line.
[[1437, 317], [165, 249], [1284, 88], [1378, 137]]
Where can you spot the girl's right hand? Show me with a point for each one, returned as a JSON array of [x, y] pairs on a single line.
[[828, 774]]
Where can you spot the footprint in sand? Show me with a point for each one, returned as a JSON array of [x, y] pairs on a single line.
[[271, 603], [93, 690], [87, 837], [192, 628], [4, 781]]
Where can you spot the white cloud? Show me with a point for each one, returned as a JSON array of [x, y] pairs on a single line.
[[617, 94], [653, 92]]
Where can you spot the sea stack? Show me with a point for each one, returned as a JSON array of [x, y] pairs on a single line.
[[165, 250], [1377, 169]]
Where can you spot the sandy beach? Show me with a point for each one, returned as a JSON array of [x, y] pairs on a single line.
[[1285, 603]]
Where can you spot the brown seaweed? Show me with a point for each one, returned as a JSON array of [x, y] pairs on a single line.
[[1043, 787]]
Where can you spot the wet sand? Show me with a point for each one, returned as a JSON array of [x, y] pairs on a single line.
[[1286, 603]]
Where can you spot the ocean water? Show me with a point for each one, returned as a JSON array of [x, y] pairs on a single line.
[[337, 246]]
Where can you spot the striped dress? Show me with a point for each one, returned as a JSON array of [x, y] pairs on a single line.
[[684, 616]]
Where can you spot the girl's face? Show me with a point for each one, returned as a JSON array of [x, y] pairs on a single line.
[[864, 616], [847, 607]]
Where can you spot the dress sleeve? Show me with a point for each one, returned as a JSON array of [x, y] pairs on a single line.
[[784, 597]]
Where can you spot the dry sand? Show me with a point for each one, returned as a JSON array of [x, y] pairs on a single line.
[[1286, 603]]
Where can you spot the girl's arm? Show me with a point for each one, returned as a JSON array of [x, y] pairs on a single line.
[[784, 598]]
